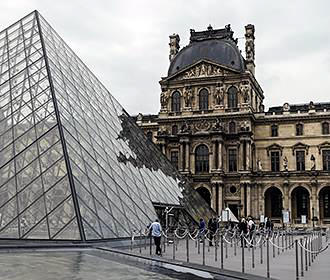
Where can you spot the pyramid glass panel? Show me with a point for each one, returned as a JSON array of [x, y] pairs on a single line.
[[73, 165]]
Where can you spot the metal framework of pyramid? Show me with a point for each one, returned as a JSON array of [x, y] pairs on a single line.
[[73, 164]]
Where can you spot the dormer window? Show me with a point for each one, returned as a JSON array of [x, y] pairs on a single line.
[[274, 130]]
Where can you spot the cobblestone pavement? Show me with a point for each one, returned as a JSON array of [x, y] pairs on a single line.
[[282, 263]]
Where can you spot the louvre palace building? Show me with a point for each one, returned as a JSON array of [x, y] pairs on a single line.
[[213, 127]]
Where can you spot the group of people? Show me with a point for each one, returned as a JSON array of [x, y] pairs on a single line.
[[246, 226]]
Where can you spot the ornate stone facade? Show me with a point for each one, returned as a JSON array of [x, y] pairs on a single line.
[[212, 125]]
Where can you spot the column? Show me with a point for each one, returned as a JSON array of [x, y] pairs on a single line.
[[240, 156], [187, 157], [213, 197], [181, 157], [314, 203], [286, 197], [220, 186], [248, 155], [242, 200], [220, 155], [248, 199], [214, 156]]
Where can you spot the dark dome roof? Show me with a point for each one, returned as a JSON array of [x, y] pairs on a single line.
[[224, 52]]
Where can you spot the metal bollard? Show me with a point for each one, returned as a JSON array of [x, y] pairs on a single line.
[[131, 247], [274, 254], [173, 246], [252, 256], [221, 251], [199, 245], [301, 259], [226, 250], [145, 242], [140, 248], [268, 273], [309, 253], [286, 241], [235, 244], [216, 243], [242, 244], [306, 265], [164, 243], [203, 249], [187, 247], [261, 245], [282, 242], [297, 260], [150, 239], [176, 242], [278, 244]]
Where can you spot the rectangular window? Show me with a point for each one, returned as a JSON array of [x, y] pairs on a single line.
[[275, 161], [299, 129], [175, 159], [300, 160], [232, 155], [326, 160], [274, 131]]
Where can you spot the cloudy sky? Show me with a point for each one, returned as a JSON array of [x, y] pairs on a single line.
[[125, 43]]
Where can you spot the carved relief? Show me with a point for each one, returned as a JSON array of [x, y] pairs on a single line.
[[188, 96], [219, 94], [202, 126], [245, 92], [164, 96], [202, 70]]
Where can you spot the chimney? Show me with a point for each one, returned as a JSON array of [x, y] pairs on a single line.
[[174, 45], [249, 48]]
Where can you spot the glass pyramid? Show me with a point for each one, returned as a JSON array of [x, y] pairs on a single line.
[[73, 164]]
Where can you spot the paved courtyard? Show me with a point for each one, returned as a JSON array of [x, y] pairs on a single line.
[[282, 263]]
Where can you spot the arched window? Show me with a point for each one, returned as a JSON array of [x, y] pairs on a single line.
[[174, 129], [203, 99], [232, 97], [176, 101], [232, 127], [202, 159], [325, 128], [299, 129], [149, 135]]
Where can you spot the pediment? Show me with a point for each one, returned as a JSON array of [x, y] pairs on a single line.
[[274, 147], [324, 145], [300, 146], [202, 69]]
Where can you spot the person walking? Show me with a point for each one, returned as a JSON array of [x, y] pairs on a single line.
[[212, 226], [251, 229], [156, 232], [201, 228]]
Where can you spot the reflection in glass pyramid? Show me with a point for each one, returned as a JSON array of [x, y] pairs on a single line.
[[73, 164]]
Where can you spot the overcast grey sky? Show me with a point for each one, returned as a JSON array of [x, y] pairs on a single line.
[[125, 43]]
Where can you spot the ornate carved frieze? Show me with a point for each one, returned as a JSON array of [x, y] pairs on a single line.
[[202, 70], [202, 126]]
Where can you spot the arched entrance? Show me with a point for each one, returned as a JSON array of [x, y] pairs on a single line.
[[204, 192], [300, 204], [324, 202], [273, 203]]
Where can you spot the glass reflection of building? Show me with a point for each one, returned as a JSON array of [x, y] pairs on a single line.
[[73, 164]]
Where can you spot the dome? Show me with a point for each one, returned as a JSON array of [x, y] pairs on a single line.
[[221, 51]]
